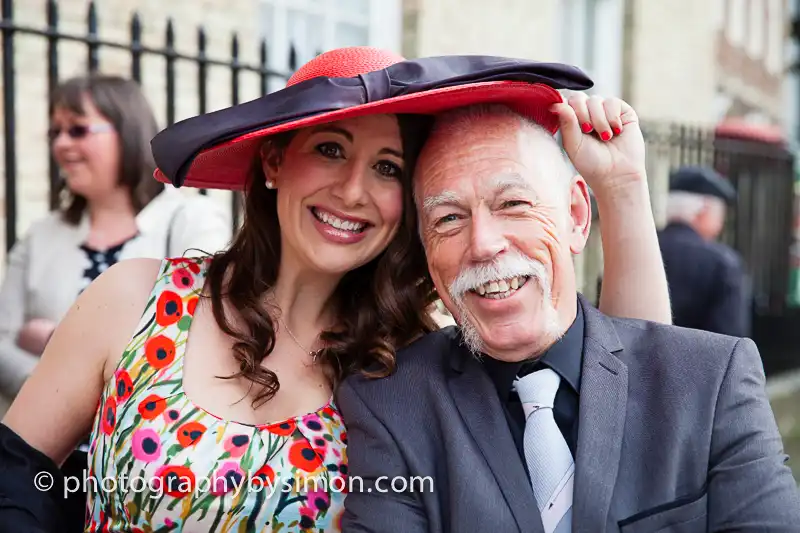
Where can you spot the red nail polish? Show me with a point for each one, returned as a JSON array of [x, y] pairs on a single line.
[[605, 136], [617, 131], [586, 127]]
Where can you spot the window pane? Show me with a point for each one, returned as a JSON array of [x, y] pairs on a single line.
[[359, 8], [351, 35], [267, 18], [306, 33]]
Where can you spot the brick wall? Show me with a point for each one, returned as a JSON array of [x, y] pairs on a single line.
[[671, 70], [516, 28], [751, 41]]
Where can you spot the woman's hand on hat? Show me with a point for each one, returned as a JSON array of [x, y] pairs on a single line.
[[603, 140]]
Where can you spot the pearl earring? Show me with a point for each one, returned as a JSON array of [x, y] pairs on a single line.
[[270, 184]]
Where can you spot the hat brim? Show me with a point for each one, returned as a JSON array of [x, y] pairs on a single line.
[[227, 166]]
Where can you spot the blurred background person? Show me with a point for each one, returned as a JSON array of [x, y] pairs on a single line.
[[112, 209], [707, 280]]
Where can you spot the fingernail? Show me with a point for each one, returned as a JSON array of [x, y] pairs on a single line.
[[617, 131], [586, 127], [605, 136]]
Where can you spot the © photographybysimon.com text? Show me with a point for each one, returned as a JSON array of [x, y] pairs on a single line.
[[157, 486]]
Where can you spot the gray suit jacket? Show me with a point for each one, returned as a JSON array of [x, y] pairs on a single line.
[[676, 435]]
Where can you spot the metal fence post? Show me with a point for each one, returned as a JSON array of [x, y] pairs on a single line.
[[9, 123]]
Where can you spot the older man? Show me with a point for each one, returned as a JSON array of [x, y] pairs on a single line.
[[539, 413], [708, 282]]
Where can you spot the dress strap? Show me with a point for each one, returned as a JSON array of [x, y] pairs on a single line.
[[155, 351]]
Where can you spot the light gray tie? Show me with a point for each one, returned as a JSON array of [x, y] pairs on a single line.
[[549, 459]]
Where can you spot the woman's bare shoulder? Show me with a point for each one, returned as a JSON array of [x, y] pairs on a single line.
[[115, 302], [58, 402], [125, 284]]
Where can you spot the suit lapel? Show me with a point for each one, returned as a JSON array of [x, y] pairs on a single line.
[[603, 399], [477, 401]]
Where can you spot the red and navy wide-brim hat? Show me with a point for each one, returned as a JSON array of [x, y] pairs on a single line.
[[216, 150]]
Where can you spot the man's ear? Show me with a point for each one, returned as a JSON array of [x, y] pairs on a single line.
[[580, 214]]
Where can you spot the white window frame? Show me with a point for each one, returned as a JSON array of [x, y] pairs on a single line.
[[383, 23]]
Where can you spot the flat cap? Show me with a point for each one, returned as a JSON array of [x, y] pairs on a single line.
[[702, 180]]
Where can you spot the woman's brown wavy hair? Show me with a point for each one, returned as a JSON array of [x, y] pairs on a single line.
[[381, 306]]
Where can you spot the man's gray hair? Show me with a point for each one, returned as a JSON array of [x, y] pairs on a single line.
[[452, 121], [685, 206]]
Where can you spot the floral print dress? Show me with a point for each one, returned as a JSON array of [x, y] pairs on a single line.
[[158, 462]]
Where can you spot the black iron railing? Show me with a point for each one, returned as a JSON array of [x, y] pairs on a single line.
[[137, 49], [760, 225]]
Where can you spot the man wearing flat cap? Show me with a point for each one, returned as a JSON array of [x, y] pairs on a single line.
[[707, 281]]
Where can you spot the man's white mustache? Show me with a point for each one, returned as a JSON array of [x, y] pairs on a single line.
[[509, 265]]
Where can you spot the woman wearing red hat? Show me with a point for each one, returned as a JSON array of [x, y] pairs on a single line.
[[209, 393]]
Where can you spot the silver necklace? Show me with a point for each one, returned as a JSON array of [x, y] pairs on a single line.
[[313, 354]]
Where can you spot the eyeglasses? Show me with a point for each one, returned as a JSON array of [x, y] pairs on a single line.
[[78, 131]]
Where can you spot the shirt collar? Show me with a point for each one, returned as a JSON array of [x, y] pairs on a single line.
[[681, 227], [565, 357]]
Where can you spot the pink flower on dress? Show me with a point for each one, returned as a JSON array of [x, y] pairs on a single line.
[[313, 422], [146, 445], [307, 518], [237, 444], [228, 478], [319, 500], [182, 278]]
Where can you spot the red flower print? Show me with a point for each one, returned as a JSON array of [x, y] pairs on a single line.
[[283, 429], [343, 437], [159, 351], [236, 445], [227, 479], [302, 456], [176, 481], [339, 484], [327, 411], [191, 306], [152, 406], [320, 446], [190, 264], [169, 308], [182, 278], [190, 433], [146, 445], [263, 478], [109, 415], [124, 385]]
